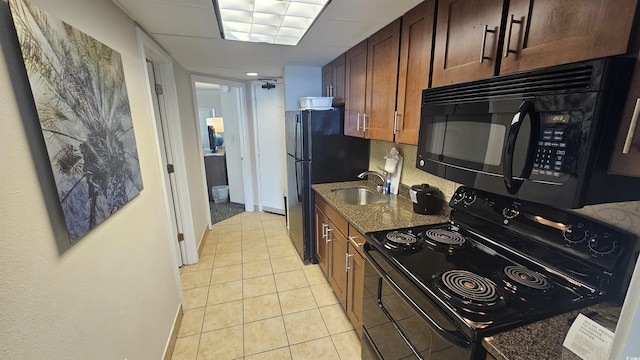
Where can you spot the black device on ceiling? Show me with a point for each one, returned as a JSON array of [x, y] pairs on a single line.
[[267, 85]]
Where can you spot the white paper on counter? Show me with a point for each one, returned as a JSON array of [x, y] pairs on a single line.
[[588, 339]]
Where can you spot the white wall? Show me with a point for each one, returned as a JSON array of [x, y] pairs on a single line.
[[113, 294], [192, 150], [301, 81]]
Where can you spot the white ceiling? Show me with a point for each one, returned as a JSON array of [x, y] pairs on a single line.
[[188, 30]]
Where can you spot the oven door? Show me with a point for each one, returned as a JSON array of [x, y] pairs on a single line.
[[400, 323]]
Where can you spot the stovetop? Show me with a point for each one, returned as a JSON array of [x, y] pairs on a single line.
[[523, 272]]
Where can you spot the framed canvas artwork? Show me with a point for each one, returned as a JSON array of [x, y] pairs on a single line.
[[79, 89]]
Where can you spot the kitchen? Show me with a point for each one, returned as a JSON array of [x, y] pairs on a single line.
[[379, 148]]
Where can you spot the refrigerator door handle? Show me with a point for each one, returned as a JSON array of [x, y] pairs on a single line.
[[298, 187], [295, 141]]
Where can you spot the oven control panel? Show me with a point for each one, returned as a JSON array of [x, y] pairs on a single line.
[[554, 158], [558, 230]]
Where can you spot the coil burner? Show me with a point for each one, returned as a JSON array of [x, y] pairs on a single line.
[[399, 240], [470, 290], [445, 239], [528, 278]]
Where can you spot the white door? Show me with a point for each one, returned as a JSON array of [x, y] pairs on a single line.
[[231, 111], [271, 153], [167, 158]]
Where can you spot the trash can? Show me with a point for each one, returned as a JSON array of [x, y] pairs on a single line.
[[220, 193]]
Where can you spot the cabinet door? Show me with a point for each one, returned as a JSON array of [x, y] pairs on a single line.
[[549, 32], [382, 80], [338, 263], [626, 153], [338, 71], [355, 283], [466, 43], [322, 250], [355, 87], [327, 80], [415, 64]]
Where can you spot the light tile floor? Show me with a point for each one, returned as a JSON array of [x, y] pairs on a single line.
[[251, 297]]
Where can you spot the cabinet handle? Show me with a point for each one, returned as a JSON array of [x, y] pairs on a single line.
[[324, 230], [331, 90], [327, 240], [395, 122], [364, 122], [346, 260], [358, 124], [328, 90], [507, 38], [485, 30], [352, 239], [632, 127]]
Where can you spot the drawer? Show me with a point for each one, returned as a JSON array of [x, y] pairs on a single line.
[[334, 216]]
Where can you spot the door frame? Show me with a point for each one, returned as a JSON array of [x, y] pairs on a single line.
[[162, 61], [247, 179]]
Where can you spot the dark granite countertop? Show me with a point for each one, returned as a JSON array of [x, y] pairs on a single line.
[[397, 213], [543, 339]]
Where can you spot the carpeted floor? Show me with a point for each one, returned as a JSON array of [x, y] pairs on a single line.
[[223, 211]]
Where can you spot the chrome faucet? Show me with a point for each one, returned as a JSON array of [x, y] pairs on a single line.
[[381, 176]]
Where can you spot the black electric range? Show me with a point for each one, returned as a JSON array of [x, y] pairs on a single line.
[[499, 263]]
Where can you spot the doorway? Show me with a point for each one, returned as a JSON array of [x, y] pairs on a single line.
[[270, 145], [221, 124]]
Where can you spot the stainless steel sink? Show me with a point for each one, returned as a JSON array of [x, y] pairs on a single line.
[[360, 196]]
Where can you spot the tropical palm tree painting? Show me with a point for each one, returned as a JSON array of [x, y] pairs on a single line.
[[81, 99]]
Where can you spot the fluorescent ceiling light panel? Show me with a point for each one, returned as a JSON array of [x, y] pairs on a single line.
[[282, 22]]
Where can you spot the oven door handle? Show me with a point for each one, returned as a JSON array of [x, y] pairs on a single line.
[[450, 336], [526, 108]]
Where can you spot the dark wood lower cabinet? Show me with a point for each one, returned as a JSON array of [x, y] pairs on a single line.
[[338, 250]]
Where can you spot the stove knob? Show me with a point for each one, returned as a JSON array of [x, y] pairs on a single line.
[[469, 199], [510, 213], [575, 234], [601, 246], [459, 196]]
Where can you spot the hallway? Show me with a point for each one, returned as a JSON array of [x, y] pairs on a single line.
[[251, 297]]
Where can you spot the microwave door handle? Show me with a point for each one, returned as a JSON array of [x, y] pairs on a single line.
[[526, 108]]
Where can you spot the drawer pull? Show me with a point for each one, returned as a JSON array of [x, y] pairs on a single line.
[[327, 238], [352, 239], [632, 127]]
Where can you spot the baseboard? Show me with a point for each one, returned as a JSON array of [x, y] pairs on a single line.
[[173, 337], [202, 239]]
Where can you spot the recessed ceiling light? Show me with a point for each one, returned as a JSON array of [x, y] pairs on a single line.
[[282, 22], [251, 74]]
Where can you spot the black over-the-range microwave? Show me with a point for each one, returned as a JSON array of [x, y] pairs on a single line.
[[543, 135]]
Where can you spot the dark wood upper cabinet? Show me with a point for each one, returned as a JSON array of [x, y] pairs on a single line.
[[415, 64], [355, 88], [327, 80], [466, 41], [544, 33], [338, 72], [381, 82], [333, 77], [626, 152]]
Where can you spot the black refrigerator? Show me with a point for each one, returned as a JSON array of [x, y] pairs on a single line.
[[317, 152]]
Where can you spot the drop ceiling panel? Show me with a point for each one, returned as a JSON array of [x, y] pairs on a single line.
[[156, 17], [188, 30], [378, 11], [339, 33]]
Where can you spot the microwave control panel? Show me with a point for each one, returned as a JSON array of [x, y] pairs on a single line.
[[553, 159]]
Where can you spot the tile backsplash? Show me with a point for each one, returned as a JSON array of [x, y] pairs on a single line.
[[624, 215], [410, 174]]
